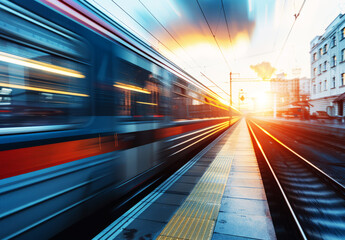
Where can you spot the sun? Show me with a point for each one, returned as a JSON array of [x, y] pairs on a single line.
[[262, 100]]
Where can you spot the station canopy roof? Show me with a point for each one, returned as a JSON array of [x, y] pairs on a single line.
[[340, 97]]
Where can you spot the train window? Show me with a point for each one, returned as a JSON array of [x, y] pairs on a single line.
[[180, 107], [191, 103], [42, 77], [17, 23], [38, 88], [139, 91], [199, 107], [179, 110], [196, 98]]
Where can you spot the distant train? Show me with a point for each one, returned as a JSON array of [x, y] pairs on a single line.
[[87, 113]]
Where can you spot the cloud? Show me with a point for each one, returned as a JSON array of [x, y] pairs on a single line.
[[189, 25], [264, 70]]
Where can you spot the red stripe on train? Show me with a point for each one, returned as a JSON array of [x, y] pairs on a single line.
[[23, 160]]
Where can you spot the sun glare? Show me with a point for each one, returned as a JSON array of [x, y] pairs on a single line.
[[241, 43], [226, 102], [201, 49], [262, 100]]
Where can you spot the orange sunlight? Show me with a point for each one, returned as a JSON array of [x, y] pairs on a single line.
[[262, 100]]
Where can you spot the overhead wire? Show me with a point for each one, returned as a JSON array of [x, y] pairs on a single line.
[[280, 22], [214, 83], [257, 55], [160, 42], [227, 26], [159, 22], [287, 37], [148, 10], [89, 4], [104, 9], [218, 21], [214, 36]]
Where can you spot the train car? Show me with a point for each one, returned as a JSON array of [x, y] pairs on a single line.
[[87, 113]]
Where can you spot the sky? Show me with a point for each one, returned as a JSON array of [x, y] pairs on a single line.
[[213, 37]]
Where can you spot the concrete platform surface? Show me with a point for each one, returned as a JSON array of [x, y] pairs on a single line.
[[217, 195]]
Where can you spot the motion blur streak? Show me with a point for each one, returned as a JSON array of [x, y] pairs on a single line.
[[217, 130], [63, 152], [42, 90], [5, 57], [131, 88], [147, 103]]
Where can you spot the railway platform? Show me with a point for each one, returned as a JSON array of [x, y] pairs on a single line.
[[219, 194]]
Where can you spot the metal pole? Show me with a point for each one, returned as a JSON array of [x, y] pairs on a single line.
[[274, 105], [230, 110]]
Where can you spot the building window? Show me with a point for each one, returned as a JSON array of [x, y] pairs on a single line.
[[320, 86], [342, 79], [333, 43], [334, 61], [342, 34], [314, 57], [325, 48], [320, 69], [325, 85], [325, 66], [314, 72], [314, 88], [343, 55], [333, 82], [320, 52]]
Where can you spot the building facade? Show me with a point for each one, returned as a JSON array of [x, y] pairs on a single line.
[[279, 88], [290, 92], [304, 89], [327, 84]]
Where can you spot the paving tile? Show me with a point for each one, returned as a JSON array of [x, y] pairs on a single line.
[[199, 168], [244, 192], [245, 169], [203, 164], [243, 182], [220, 236], [248, 226], [245, 175], [245, 206], [189, 179], [172, 199], [181, 188], [141, 229], [244, 150], [206, 160], [196, 171], [245, 165], [159, 212], [245, 159]]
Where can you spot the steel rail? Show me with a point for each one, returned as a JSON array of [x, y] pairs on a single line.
[[299, 227], [339, 187]]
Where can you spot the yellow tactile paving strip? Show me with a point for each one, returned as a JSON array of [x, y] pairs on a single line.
[[196, 217]]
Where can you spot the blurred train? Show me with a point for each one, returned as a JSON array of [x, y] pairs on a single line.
[[87, 113]]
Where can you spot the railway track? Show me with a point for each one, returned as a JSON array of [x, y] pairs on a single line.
[[315, 201], [335, 143], [326, 152]]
